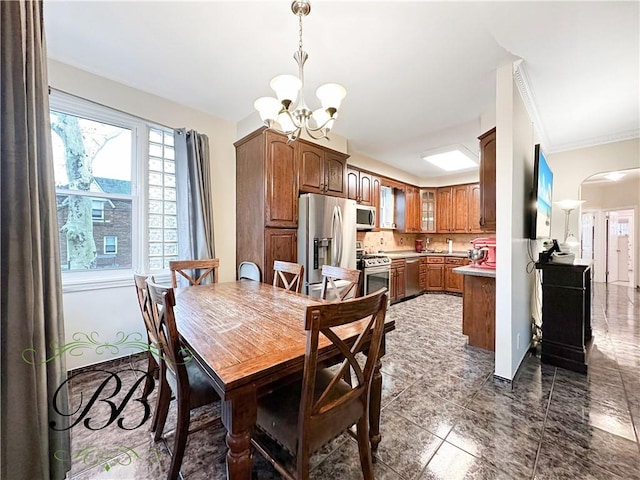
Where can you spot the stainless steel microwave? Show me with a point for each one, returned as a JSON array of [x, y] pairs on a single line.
[[365, 217]]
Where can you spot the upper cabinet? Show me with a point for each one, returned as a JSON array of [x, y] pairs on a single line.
[[321, 170], [361, 186], [428, 210], [281, 205], [487, 200], [444, 201], [456, 208]]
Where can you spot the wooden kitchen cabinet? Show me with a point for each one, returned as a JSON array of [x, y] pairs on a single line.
[[435, 274], [479, 311], [453, 282], [397, 280], [360, 186], [322, 170], [427, 210], [474, 209], [444, 205], [456, 208], [280, 244], [460, 209], [266, 200], [413, 209], [281, 204], [488, 181]]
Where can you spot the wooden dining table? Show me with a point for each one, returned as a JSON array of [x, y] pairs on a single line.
[[249, 337]]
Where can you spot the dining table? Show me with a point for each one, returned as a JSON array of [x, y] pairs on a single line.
[[249, 337]]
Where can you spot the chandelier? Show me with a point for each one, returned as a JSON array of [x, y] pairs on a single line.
[[283, 114]]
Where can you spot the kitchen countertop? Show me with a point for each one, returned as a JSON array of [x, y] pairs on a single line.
[[412, 254], [479, 272]]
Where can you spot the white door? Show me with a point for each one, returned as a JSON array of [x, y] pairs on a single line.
[[620, 259]]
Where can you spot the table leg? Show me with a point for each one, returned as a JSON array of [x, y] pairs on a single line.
[[375, 403], [238, 417]]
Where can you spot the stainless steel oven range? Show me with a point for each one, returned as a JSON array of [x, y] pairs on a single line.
[[376, 273]]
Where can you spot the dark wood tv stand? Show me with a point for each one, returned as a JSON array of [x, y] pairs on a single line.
[[566, 314]]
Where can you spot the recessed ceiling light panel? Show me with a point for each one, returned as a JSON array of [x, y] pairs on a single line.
[[452, 159]]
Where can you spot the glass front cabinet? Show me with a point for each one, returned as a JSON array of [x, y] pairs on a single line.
[[428, 210]]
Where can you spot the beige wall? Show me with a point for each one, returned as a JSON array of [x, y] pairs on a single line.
[[601, 197], [571, 168], [122, 314]]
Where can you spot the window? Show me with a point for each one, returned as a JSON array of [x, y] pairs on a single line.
[[109, 223], [97, 209], [162, 198], [110, 244]]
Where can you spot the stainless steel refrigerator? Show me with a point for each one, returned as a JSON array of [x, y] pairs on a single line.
[[326, 236]]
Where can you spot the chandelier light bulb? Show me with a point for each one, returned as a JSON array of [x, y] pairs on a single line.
[[331, 95], [323, 119], [286, 123], [286, 88], [268, 108]]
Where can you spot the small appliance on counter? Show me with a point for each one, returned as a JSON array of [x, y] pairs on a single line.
[[483, 253]]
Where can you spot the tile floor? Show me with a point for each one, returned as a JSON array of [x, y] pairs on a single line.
[[443, 415]]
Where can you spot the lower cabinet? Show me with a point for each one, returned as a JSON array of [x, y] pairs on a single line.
[[453, 282], [397, 281], [479, 311], [280, 244], [435, 274]]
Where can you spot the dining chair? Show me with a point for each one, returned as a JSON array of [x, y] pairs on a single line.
[[305, 415], [333, 292], [201, 270], [179, 374], [288, 274], [140, 282], [152, 339], [250, 271]]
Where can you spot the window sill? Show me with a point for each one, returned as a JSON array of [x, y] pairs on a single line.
[[82, 282]]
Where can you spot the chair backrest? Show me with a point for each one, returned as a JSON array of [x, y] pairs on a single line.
[[201, 270], [319, 407], [288, 274], [332, 292], [174, 356], [250, 271], [144, 304]]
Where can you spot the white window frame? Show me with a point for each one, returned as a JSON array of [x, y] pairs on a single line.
[[100, 207], [95, 279], [115, 244]]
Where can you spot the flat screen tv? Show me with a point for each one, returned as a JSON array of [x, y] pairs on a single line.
[[541, 197]]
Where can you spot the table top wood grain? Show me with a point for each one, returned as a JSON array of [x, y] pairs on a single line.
[[248, 332]]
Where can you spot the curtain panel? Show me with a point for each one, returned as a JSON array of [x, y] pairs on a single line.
[[195, 216], [30, 283]]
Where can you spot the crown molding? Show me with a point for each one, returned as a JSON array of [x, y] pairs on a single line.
[[594, 142], [528, 97]]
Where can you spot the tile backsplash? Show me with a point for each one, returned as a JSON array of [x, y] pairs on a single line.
[[390, 240]]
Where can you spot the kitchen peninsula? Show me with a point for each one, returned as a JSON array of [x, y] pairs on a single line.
[[479, 306]]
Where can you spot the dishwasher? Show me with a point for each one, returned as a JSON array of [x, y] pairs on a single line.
[[412, 277]]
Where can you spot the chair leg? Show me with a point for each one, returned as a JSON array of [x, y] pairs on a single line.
[[162, 408], [152, 366], [182, 430], [364, 447]]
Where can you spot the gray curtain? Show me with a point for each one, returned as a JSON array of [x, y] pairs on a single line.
[[195, 216], [30, 295]]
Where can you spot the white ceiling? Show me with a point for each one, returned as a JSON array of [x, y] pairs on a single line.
[[419, 75]]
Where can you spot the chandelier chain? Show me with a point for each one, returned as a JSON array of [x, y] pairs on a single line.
[[300, 31]]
